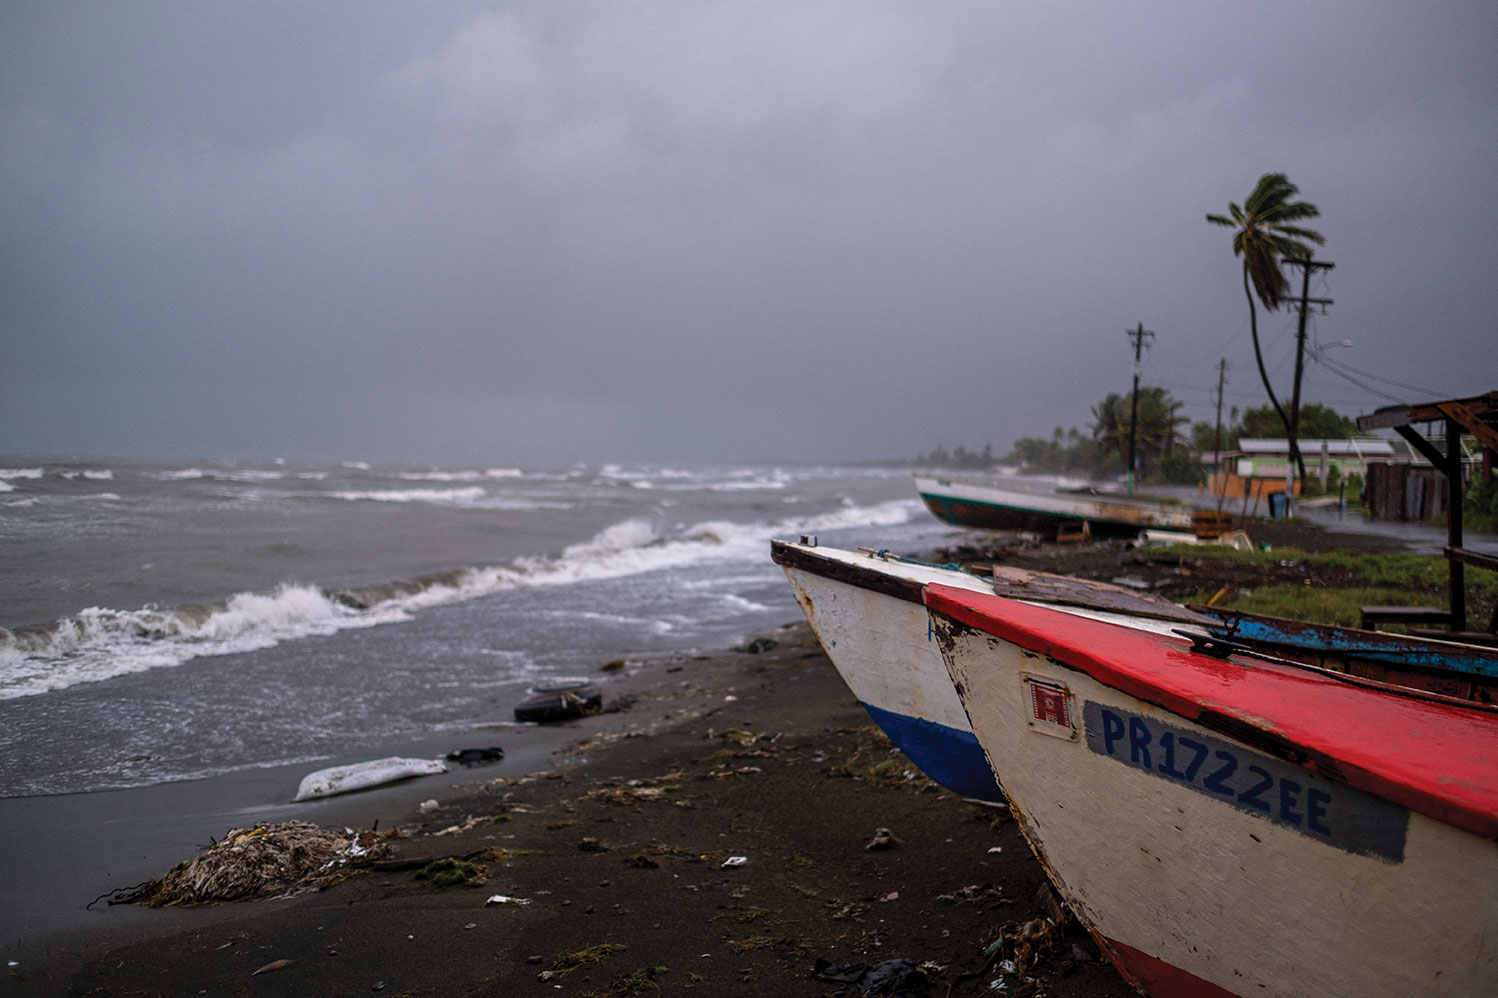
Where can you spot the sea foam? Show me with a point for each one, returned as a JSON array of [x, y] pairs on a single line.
[[97, 643]]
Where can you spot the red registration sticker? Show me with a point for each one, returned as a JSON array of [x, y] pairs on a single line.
[[1050, 708]]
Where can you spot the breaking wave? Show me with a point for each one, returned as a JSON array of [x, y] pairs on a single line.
[[467, 495], [98, 643]]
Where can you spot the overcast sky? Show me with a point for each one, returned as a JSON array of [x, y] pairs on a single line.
[[693, 231]]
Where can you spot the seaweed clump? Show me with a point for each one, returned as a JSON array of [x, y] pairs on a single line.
[[269, 860]]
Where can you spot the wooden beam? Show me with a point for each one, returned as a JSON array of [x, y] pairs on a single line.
[[1454, 498], [1474, 558], [1425, 447], [1392, 416], [1485, 434], [1386, 418]]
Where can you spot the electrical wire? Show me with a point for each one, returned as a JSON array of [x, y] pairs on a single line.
[[1425, 392], [1370, 389]]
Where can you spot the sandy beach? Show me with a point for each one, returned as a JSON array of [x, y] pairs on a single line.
[[619, 830]]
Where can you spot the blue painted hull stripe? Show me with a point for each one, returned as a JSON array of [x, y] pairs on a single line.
[[948, 756]]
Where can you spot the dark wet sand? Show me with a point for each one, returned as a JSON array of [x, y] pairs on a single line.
[[765, 756]]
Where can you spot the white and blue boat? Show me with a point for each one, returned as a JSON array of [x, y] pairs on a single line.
[[867, 609]]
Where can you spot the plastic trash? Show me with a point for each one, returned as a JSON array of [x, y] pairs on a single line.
[[361, 775], [898, 978]]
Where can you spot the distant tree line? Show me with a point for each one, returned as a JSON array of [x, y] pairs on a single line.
[[959, 458], [1167, 445]]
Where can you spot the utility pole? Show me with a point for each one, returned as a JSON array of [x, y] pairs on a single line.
[[1222, 478], [1136, 337], [1296, 461]]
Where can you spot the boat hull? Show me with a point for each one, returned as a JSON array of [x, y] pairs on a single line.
[[867, 610], [874, 628], [989, 507], [1197, 879]]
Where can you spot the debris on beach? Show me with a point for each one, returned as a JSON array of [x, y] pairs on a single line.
[[268, 860], [883, 839], [1022, 946], [563, 702], [362, 775], [476, 756], [583, 959], [898, 978], [985, 894], [498, 899]]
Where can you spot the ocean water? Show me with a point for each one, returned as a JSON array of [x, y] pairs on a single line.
[[164, 621]]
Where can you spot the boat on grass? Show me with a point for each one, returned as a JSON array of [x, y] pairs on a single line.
[[990, 506], [1236, 826], [866, 608]]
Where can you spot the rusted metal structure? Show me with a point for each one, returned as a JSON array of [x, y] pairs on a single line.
[[1478, 416]]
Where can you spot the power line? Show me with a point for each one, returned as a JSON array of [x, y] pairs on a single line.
[[1378, 392], [1424, 392]]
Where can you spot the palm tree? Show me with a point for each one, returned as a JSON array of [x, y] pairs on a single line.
[[1264, 235], [1159, 429]]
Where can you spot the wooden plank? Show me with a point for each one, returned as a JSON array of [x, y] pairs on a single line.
[[1065, 590], [1467, 637], [1394, 416], [1475, 558], [1374, 615]]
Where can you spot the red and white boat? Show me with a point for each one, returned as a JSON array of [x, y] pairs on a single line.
[[1230, 825]]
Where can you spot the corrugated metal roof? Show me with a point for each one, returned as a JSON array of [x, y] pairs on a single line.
[[1365, 447]]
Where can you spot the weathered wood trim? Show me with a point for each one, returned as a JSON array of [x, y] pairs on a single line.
[[793, 556]]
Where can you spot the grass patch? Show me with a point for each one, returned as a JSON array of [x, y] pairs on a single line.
[[1376, 569], [501, 854], [1339, 583], [642, 980], [1311, 603], [452, 872], [590, 956]]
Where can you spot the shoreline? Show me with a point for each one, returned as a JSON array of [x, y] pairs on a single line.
[[64, 852], [617, 830]]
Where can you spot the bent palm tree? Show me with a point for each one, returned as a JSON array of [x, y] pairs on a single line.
[[1265, 234]]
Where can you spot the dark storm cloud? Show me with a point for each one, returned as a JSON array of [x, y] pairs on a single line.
[[677, 230]]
